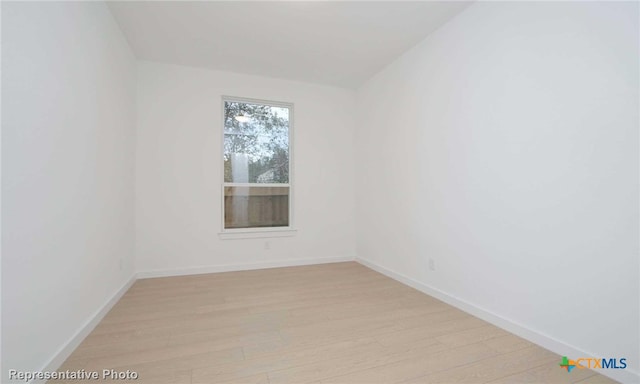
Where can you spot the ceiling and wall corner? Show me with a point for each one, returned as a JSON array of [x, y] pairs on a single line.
[[333, 43]]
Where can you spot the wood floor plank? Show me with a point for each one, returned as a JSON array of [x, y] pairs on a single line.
[[491, 368], [508, 343], [429, 331], [285, 360], [332, 323], [596, 379], [261, 378], [347, 364], [416, 366], [471, 336]]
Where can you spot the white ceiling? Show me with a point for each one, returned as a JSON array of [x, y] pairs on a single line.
[[335, 43]]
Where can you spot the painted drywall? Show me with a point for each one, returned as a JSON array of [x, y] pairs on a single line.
[[178, 172], [504, 147], [68, 127]]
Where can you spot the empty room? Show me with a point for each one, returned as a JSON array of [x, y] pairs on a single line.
[[346, 192]]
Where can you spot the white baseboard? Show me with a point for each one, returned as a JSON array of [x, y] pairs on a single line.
[[545, 341], [63, 353], [241, 267]]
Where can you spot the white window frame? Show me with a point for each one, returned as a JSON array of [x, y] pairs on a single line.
[[258, 232]]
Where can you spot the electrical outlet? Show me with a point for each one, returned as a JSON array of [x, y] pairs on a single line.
[[432, 264]]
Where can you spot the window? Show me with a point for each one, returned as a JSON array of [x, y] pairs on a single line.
[[256, 188]]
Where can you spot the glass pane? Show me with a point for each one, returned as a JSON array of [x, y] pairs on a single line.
[[256, 143], [251, 207]]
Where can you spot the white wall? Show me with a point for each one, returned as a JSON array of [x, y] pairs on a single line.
[[178, 172], [505, 148], [68, 127]]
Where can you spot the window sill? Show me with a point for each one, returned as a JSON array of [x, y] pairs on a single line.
[[256, 234]]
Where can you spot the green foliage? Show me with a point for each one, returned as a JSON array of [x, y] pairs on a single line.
[[262, 133]]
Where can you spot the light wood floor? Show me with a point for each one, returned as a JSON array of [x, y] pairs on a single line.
[[332, 323]]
